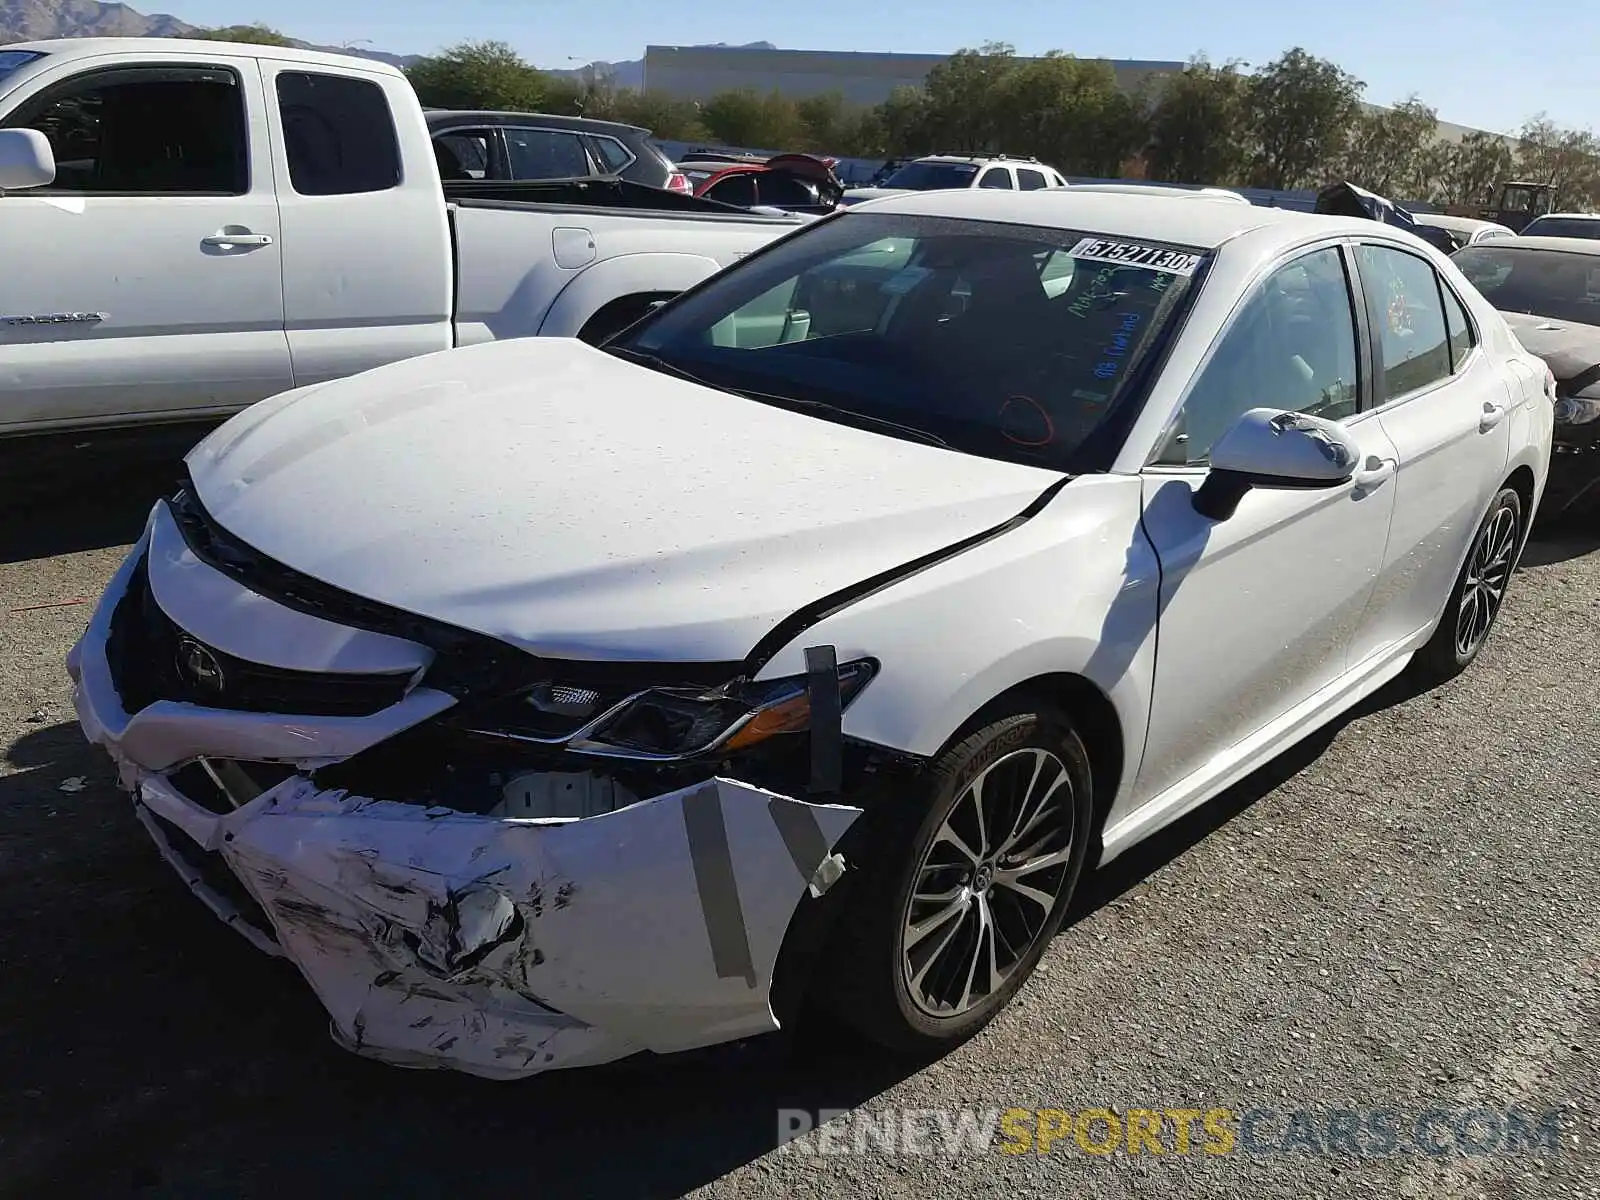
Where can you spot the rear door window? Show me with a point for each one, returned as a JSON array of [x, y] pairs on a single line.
[[546, 154], [1407, 314], [1030, 180], [995, 177], [735, 189], [338, 134]]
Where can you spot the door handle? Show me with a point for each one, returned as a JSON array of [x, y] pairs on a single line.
[[1375, 471], [1493, 414], [242, 240]]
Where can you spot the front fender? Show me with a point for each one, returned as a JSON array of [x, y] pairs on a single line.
[[626, 275]]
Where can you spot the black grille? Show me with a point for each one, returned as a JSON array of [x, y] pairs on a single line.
[[215, 874], [151, 660]]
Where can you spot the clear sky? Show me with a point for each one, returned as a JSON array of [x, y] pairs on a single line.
[[1489, 65]]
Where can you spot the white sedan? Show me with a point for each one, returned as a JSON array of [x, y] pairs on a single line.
[[546, 703]]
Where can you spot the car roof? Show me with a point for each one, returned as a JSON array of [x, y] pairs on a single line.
[[440, 118], [93, 47], [1568, 216], [1589, 246], [1458, 224], [1176, 219]]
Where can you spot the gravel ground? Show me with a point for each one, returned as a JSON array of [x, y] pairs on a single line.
[[1400, 915]]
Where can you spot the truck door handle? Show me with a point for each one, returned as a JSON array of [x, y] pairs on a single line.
[[1493, 414], [1375, 471], [240, 240]]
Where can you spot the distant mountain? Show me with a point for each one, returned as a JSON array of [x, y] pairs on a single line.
[[35, 20]]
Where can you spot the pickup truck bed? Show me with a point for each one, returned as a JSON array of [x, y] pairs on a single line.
[[220, 223]]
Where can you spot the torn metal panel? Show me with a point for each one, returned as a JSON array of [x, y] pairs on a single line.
[[503, 946]]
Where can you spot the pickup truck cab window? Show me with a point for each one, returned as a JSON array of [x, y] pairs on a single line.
[[546, 154], [338, 135], [144, 130], [995, 177], [1031, 181]]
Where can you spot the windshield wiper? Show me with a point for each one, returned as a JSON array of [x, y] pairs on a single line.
[[848, 415], [656, 362]]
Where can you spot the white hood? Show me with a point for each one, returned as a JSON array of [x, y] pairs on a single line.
[[544, 492]]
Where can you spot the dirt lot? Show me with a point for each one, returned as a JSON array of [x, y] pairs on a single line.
[[1399, 916]]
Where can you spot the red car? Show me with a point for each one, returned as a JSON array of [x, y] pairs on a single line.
[[792, 182]]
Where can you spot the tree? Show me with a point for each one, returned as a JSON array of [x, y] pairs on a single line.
[[1069, 112], [480, 75], [1301, 111], [1388, 150], [959, 113], [747, 118], [1197, 125], [256, 35], [1471, 169], [1569, 159]]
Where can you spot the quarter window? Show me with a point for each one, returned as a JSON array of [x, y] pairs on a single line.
[[338, 135], [1407, 316], [142, 131], [1455, 319], [612, 152], [546, 154], [1292, 345]]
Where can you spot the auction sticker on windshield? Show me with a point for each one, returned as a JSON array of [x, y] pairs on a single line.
[[1174, 262]]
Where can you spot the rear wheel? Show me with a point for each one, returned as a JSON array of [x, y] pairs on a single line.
[[1478, 594], [967, 882]]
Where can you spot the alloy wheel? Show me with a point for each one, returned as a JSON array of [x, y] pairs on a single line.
[[1488, 572], [988, 884]]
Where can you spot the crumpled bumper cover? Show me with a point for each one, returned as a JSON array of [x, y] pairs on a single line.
[[499, 947]]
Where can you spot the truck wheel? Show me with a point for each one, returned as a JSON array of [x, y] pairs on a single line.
[[967, 881], [617, 315]]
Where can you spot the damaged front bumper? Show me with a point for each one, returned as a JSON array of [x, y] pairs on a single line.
[[498, 945]]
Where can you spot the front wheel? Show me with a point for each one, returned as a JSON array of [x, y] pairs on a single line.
[[968, 881], [1479, 591]]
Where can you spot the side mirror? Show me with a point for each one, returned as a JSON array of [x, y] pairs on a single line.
[[1270, 448], [26, 160]]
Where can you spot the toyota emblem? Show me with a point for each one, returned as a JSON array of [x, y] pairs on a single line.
[[200, 666]]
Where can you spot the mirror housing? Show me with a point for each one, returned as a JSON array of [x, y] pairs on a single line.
[[26, 160], [1270, 448]]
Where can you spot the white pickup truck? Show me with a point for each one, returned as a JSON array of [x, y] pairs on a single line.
[[188, 227]]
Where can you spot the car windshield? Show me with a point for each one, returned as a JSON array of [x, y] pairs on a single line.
[[1573, 227], [11, 60], [1547, 283], [1006, 341], [932, 176]]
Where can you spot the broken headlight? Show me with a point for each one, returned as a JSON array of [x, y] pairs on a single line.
[[675, 723]]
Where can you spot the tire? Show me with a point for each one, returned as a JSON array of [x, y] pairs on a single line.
[[1479, 592], [887, 985]]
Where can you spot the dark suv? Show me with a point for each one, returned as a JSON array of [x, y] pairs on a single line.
[[502, 145]]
